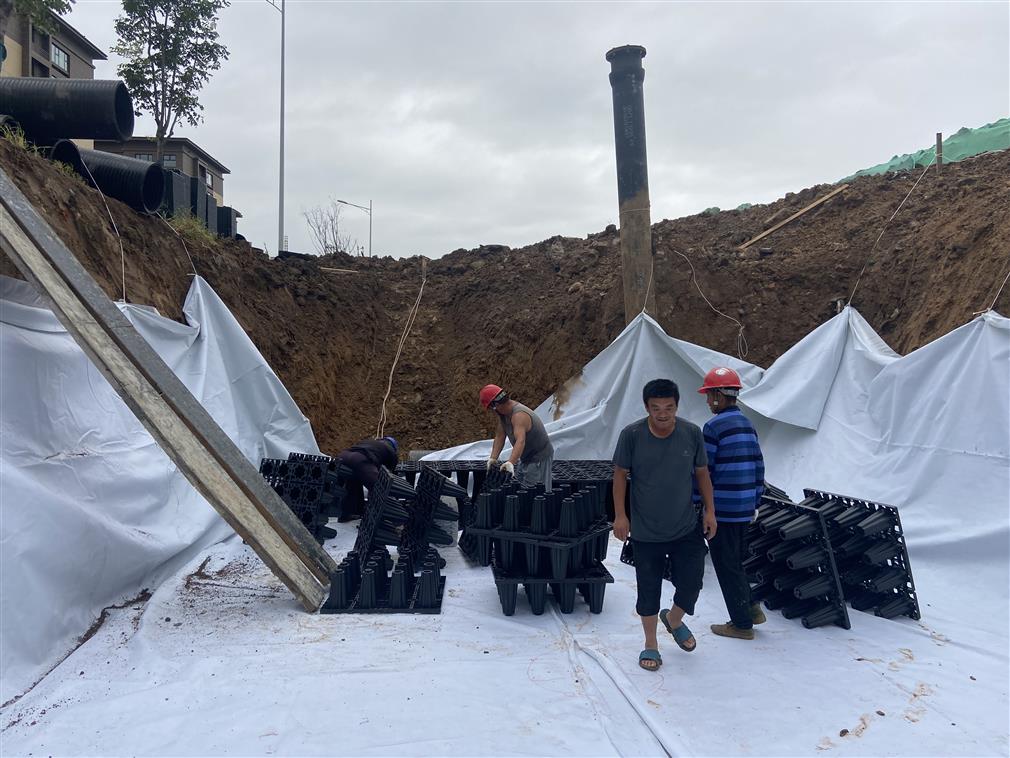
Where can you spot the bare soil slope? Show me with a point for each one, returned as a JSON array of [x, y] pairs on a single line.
[[530, 318]]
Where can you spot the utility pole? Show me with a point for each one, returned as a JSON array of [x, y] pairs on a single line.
[[282, 243], [626, 77], [939, 153], [367, 210], [280, 191]]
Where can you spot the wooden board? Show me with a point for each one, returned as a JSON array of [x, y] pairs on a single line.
[[179, 424], [795, 216]]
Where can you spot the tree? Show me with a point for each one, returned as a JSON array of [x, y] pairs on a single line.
[[171, 48], [37, 11], [324, 224]]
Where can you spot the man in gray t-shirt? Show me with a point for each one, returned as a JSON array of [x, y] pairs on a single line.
[[661, 453]]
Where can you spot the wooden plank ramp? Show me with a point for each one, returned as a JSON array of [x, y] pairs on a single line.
[[795, 216], [162, 403]]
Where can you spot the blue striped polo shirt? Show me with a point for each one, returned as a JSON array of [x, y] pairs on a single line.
[[735, 464]]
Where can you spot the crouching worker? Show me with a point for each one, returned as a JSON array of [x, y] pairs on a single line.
[[661, 452], [364, 459]]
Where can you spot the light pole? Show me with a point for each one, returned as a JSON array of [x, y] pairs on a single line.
[[367, 210], [280, 190]]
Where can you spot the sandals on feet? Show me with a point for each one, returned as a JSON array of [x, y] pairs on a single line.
[[681, 634], [651, 656]]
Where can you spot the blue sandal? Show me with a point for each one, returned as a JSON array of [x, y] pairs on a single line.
[[650, 655], [680, 635]]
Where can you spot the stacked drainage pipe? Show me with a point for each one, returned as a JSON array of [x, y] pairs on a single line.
[[139, 184], [541, 539], [52, 109]]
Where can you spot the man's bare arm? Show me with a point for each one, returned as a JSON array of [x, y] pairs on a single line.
[[521, 423]]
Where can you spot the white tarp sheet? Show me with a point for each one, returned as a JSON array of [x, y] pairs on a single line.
[[222, 662], [92, 509]]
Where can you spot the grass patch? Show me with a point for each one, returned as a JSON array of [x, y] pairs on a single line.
[[190, 227], [16, 137], [68, 170]]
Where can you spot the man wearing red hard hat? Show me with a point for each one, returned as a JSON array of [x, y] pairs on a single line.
[[532, 452], [736, 468]]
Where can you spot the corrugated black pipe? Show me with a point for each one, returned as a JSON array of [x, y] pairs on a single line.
[[65, 151], [53, 109], [140, 184], [9, 122]]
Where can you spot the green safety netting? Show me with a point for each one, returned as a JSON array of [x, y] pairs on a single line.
[[962, 144]]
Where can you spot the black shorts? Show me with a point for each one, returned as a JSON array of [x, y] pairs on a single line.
[[687, 570]]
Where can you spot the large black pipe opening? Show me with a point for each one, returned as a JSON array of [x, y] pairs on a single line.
[[53, 109], [140, 184], [65, 151]]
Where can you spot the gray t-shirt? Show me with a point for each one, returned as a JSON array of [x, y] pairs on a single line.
[[661, 483], [538, 445]]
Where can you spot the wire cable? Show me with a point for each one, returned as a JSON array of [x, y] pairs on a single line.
[[122, 253], [886, 223], [411, 316], [176, 233], [741, 340]]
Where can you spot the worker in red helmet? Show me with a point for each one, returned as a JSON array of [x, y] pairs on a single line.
[[532, 452], [736, 468]]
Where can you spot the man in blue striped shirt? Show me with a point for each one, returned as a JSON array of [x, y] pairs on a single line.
[[737, 470]]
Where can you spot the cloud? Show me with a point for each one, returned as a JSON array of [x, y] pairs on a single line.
[[470, 123]]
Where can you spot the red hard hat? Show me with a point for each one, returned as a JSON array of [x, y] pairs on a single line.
[[720, 378], [489, 393]]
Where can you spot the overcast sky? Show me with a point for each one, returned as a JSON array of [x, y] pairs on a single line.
[[480, 123]]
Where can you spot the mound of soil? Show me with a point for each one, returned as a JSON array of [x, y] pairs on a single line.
[[530, 318]]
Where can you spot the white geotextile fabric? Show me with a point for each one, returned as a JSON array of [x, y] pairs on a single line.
[[92, 509], [225, 663]]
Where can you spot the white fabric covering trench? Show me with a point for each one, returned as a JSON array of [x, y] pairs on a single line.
[[232, 667]]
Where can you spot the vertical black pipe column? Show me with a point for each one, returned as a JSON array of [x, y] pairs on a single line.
[[626, 78]]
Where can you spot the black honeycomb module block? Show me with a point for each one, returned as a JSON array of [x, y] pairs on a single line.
[[791, 564], [384, 511], [869, 547], [544, 534], [420, 531], [578, 473], [377, 585], [591, 583]]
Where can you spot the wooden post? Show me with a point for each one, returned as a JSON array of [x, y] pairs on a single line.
[[179, 424], [939, 152]]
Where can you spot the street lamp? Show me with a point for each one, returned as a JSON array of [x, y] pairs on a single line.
[[280, 190], [367, 210]]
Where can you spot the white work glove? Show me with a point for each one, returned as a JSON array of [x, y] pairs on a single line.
[[757, 512], [508, 468], [491, 462]]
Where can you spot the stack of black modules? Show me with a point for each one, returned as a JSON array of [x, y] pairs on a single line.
[[386, 512], [310, 485], [421, 531], [576, 473], [869, 549], [792, 565], [472, 547], [368, 586], [599, 474], [557, 539]]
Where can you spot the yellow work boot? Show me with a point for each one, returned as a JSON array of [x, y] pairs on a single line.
[[728, 630], [757, 615]]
